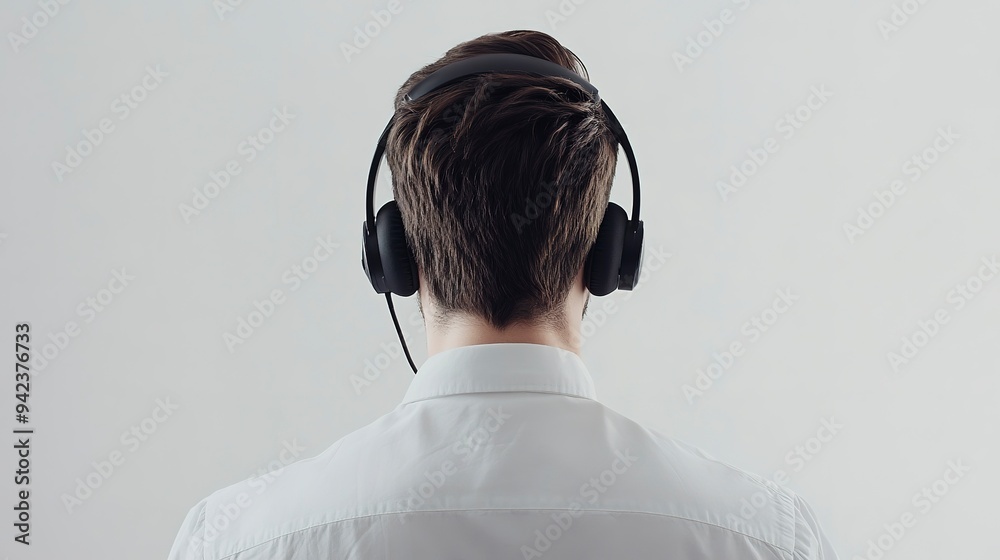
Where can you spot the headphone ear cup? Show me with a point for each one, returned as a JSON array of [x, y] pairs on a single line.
[[632, 257], [604, 259], [370, 260], [398, 264]]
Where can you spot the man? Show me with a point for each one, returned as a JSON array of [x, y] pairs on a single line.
[[500, 448]]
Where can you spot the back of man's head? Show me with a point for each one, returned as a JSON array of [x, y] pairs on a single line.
[[502, 181]]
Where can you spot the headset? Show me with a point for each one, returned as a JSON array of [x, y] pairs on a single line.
[[615, 259]]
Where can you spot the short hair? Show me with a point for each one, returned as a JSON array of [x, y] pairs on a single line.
[[502, 181]]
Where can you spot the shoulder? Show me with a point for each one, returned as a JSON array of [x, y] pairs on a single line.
[[694, 484], [761, 503], [189, 545], [810, 540], [230, 518]]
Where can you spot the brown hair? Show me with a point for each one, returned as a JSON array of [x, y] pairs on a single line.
[[502, 181]]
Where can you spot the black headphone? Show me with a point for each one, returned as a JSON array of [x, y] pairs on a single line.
[[614, 261]]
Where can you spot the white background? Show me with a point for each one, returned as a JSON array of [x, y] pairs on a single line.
[[161, 337]]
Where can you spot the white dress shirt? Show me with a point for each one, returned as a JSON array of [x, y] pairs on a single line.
[[501, 451]]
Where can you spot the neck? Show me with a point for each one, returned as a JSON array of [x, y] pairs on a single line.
[[465, 331]]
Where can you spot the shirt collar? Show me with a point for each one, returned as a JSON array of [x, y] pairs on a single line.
[[507, 366]]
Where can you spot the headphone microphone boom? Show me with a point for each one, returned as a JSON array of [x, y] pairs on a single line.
[[615, 259]]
